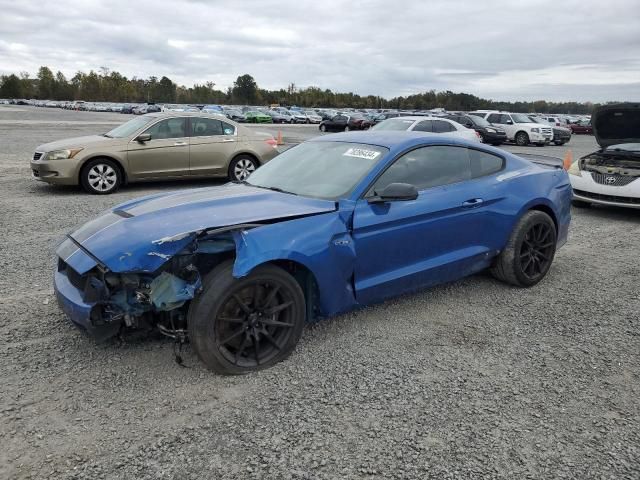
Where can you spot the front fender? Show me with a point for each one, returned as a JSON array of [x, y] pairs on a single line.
[[321, 243]]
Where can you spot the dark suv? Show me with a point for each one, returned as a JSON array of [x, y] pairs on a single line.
[[489, 133]]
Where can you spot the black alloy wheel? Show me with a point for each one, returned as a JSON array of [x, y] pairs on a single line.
[[240, 325], [529, 253], [537, 249]]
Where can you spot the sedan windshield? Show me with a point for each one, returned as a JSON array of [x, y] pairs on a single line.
[[328, 170], [129, 128], [478, 121], [520, 118], [399, 124]]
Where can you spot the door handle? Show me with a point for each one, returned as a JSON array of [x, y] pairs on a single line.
[[228, 140], [179, 144], [474, 202]]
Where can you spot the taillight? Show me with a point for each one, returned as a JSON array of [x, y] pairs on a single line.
[[272, 141]]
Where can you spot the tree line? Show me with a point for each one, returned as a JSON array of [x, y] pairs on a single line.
[[110, 86]]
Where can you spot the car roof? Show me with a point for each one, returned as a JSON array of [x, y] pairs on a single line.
[[185, 114], [392, 138]]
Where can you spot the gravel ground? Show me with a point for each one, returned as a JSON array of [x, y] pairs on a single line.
[[473, 379]]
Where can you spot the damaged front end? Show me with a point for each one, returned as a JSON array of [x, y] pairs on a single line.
[[103, 302]]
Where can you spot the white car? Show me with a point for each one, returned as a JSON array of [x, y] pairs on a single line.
[[520, 129], [313, 116], [430, 125], [610, 176]]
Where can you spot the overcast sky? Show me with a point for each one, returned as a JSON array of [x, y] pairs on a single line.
[[587, 50]]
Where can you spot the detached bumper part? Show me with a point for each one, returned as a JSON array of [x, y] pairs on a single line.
[[81, 313]]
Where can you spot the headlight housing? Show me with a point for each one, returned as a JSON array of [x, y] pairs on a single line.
[[574, 169], [535, 130], [63, 154], [491, 130]]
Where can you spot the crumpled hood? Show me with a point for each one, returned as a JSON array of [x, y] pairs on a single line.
[[616, 123], [140, 235], [77, 142]]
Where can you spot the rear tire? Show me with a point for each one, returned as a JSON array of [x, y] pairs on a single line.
[[241, 167], [240, 325], [101, 176], [528, 255], [522, 139]]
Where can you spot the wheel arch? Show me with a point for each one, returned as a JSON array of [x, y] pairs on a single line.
[[544, 208], [247, 153], [115, 160]]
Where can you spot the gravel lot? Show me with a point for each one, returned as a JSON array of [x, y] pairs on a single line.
[[473, 379]]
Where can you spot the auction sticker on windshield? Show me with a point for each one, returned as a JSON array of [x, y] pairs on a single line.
[[361, 153]]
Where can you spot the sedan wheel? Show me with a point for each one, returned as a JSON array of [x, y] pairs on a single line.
[[528, 255], [240, 325], [101, 176], [323, 128], [241, 167]]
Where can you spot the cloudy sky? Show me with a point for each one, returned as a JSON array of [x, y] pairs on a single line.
[[586, 50]]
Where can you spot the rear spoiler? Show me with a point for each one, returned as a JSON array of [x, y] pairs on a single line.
[[546, 160]]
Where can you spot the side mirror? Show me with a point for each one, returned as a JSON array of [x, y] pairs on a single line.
[[395, 192], [143, 137], [509, 122]]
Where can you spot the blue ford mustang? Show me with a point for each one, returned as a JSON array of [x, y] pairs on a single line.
[[333, 224]]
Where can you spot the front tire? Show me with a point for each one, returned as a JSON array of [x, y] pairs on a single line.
[[528, 255], [101, 176], [323, 128], [238, 326], [241, 167], [522, 139]]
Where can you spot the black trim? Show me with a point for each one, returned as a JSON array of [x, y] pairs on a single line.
[[95, 259]]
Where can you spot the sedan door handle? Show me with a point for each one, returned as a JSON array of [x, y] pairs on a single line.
[[228, 140], [474, 202], [179, 144]]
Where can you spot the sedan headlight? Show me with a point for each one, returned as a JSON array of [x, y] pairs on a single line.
[[574, 169], [63, 154], [535, 130], [491, 130]]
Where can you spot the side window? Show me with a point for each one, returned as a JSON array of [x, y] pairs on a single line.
[[205, 127], [427, 167], [169, 128], [440, 126], [505, 119], [494, 118], [483, 163], [423, 126], [228, 129]]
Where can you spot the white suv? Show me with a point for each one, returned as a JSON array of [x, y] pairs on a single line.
[[520, 129]]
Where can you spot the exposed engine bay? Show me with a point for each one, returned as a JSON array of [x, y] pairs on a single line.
[[614, 162]]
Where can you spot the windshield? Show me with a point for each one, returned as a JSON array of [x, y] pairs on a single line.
[[537, 120], [129, 128], [478, 121], [398, 124], [328, 170], [520, 118]]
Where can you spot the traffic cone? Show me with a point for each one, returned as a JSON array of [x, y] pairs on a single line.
[[567, 161], [279, 139]]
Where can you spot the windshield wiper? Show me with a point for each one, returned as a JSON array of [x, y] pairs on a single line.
[[273, 189]]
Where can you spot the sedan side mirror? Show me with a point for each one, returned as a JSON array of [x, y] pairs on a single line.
[[143, 137], [395, 192], [509, 122]]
